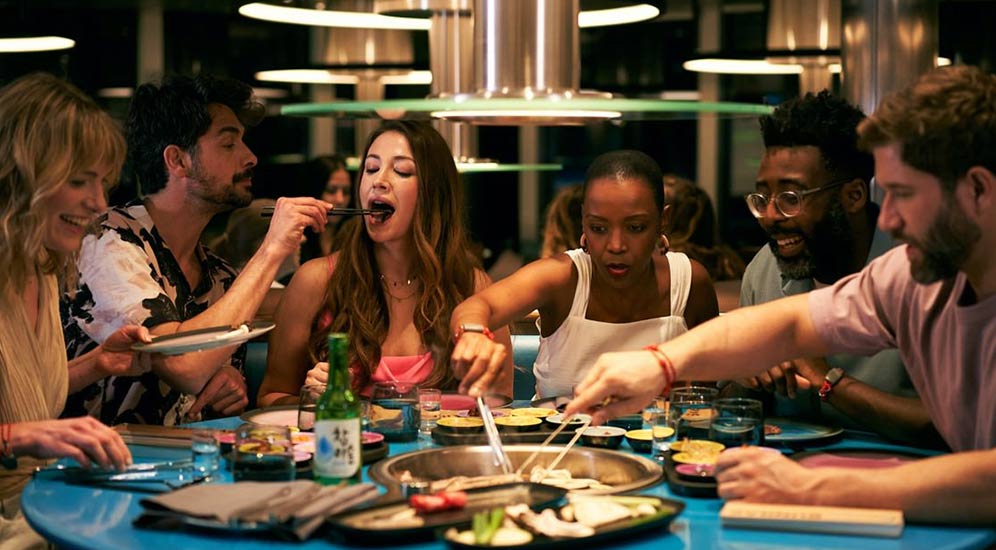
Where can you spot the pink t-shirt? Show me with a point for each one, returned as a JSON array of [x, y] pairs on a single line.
[[949, 349]]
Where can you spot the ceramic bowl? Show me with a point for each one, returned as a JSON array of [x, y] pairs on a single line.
[[605, 437], [640, 440]]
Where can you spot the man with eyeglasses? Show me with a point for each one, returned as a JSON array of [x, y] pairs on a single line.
[[933, 298], [812, 200]]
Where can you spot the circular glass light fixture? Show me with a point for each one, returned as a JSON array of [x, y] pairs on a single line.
[[740, 66], [362, 20], [35, 44], [331, 18], [306, 76], [617, 16]]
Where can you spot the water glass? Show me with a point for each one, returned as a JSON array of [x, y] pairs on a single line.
[[429, 401], [263, 453], [659, 404], [395, 411], [661, 430], [307, 404], [691, 409], [737, 421], [205, 452], [365, 415]]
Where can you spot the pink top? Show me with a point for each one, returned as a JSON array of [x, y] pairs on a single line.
[[409, 369], [945, 335]]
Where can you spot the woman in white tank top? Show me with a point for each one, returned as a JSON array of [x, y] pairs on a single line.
[[621, 291]]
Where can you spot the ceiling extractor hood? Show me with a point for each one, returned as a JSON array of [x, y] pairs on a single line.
[[525, 61]]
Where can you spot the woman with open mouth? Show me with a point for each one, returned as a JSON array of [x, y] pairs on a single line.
[[622, 290], [393, 284]]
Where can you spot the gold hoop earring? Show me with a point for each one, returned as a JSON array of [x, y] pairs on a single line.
[[584, 243], [663, 245]]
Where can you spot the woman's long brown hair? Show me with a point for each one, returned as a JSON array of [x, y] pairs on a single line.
[[443, 265]]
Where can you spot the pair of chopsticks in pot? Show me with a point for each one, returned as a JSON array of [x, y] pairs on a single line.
[[556, 461], [267, 211]]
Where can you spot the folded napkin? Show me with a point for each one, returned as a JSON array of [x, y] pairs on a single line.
[[292, 509]]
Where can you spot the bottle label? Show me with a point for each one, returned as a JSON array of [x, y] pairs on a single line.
[[337, 448]]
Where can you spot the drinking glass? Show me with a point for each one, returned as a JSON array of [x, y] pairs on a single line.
[[429, 400], [263, 453], [661, 430], [395, 411], [205, 452], [659, 404], [307, 404], [737, 421], [691, 411]]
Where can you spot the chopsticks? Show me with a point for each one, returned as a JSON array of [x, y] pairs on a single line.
[[501, 459], [549, 438], [267, 211], [556, 461]]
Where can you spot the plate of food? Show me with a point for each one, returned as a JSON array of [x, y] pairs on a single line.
[[586, 520], [204, 339], [418, 516], [790, 430]]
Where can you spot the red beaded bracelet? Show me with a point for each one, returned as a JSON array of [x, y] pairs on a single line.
[[665, 363]]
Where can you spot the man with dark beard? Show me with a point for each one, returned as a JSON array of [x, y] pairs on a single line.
[[145, 265], [812, 199], [932, 298]]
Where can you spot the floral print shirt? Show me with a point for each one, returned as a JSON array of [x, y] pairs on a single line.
[[128, 275]]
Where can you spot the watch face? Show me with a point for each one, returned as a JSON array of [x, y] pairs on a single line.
[[834, 375], [472, 327]]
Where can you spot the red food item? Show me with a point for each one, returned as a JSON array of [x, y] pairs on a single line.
[[427, 504]]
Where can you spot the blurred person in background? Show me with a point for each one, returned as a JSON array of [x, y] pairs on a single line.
[[326, 178]]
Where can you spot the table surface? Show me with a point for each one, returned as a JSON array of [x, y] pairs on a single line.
[[83, 517]]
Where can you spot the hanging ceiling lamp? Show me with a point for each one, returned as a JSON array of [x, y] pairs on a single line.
[[35, 44]]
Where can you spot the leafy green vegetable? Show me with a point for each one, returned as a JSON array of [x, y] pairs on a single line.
[[485, 524]]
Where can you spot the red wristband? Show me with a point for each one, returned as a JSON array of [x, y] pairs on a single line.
[[666, 366], [480, 329]]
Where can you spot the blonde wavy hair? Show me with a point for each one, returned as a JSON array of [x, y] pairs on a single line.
[[49, 130]]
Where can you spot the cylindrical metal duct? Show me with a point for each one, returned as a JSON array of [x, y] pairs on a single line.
[[526, 47], [451, 38], [799, 33], [886, 45]]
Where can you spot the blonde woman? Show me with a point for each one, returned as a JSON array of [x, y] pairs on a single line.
[[60, 153]]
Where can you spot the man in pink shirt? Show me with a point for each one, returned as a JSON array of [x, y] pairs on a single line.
[[934, 299]]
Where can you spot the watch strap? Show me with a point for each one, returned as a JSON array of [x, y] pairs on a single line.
[[831, 379]]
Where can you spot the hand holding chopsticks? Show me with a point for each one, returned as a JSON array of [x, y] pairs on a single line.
[[267, 211]]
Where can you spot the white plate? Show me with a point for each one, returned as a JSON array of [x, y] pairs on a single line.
[[203, 339], [578, 419]]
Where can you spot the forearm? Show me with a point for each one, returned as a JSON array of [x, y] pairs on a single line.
[[956, 488], [189, 373], [85, 370], [746, 341], [895, 417]]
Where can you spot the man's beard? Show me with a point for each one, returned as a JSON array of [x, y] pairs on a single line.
[[947, 245], [827, 252], [223, 196]]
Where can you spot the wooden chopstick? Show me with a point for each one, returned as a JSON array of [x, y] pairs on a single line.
[[577, 435], [267, 211], [550, 438]]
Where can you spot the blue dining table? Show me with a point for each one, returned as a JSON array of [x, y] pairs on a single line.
[[74, 516]]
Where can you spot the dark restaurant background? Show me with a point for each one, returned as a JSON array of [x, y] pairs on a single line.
[[637, 60]]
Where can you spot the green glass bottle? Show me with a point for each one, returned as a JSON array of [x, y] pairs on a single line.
[[337, 421]]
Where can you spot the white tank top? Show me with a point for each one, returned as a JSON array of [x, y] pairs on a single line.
[[566, 355]]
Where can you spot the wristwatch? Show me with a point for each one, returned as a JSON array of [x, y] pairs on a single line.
[[473, 327], [829, 381]]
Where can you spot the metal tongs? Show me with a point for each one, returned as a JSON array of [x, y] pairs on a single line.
[[494, 440]]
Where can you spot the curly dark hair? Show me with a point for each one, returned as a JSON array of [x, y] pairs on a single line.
[[824, 121], [945, 123], [174, 111], [628, 164]]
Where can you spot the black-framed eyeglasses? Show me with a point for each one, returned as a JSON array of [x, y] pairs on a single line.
[[788, 203]]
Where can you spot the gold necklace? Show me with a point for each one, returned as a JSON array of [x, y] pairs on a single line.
[[388, 285]]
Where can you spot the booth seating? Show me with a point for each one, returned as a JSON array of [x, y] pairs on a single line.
[[524, 350]]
